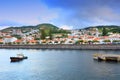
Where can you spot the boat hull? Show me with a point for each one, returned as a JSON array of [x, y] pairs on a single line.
[[17, 59]]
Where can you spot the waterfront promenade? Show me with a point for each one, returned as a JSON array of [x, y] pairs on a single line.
[[65, 46]]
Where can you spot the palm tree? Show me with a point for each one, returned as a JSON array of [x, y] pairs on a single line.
[[79, 42], [90, 42], [106, 41], [43, 34], [116, 41], [104, 32], [95, 41]]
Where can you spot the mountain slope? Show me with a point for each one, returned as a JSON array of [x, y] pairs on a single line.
[[28, 28], [110, 28]]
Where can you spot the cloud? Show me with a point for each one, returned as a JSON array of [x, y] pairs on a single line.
[[3, 27], [100, 15], [77, 13], [66, 27], [27, 13], [48, 15], [82, 13]]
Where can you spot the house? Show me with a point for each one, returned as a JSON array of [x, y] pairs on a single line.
[[32, 41], [18, 41], [1, 41], [9, 39], [16, 32]]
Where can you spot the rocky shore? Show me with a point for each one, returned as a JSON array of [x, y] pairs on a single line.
[[65, 46]]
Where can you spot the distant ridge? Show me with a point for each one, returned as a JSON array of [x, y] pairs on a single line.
[[47, 26], [44, 25], [110, 28], [105, 26]]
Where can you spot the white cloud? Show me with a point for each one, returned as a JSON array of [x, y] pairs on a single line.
[[101, 15], [66, 27], [106, 13], [3, 27], [76, 15], [30, 15]]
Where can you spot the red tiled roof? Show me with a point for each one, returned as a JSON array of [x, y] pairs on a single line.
[[19, 40], [96, 38], [1, 40], [32, 41], [105, 37], [75, 36], [90, 37], [70, 37], [8, 37]]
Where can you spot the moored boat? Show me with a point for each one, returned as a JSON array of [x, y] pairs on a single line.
[[15, 59], [19, 57]]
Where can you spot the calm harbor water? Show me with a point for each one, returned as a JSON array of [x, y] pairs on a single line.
[[57, 65]]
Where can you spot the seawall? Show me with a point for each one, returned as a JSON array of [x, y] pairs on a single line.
[[65, 46]]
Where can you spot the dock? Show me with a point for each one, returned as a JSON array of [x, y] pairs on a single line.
[[106, 57]]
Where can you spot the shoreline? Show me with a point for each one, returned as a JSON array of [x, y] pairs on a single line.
[[65, 46]]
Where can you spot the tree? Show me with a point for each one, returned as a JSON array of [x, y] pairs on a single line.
[[37, 38], [17, 36], [90, 42], [95, 41], [1, 42], [116, 41], [43, 34], [70, 41], [64, 35], [55, 41], [62, 42], [106, 41], [79, 42], [50, 34], [104, 32]]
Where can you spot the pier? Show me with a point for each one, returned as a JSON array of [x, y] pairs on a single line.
[[107, 57]]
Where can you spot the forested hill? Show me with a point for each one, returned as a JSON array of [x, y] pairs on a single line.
[[109, 28], [45, 26]]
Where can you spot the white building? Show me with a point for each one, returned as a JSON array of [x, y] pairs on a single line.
[[16, 32], [9, 39]]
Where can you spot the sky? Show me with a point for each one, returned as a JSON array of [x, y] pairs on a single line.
[[68, 14]]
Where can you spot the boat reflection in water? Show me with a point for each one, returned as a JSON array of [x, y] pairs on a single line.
[[18, 58]]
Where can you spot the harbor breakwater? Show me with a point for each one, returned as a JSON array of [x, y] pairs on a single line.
[[65, 46]]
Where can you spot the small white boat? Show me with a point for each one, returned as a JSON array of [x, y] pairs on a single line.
[[19, 57]]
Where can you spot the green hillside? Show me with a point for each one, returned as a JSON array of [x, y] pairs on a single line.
[[28, 28], [46, 26], [109, 28]]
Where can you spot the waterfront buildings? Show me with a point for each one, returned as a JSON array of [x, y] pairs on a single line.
[[91, 36]]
